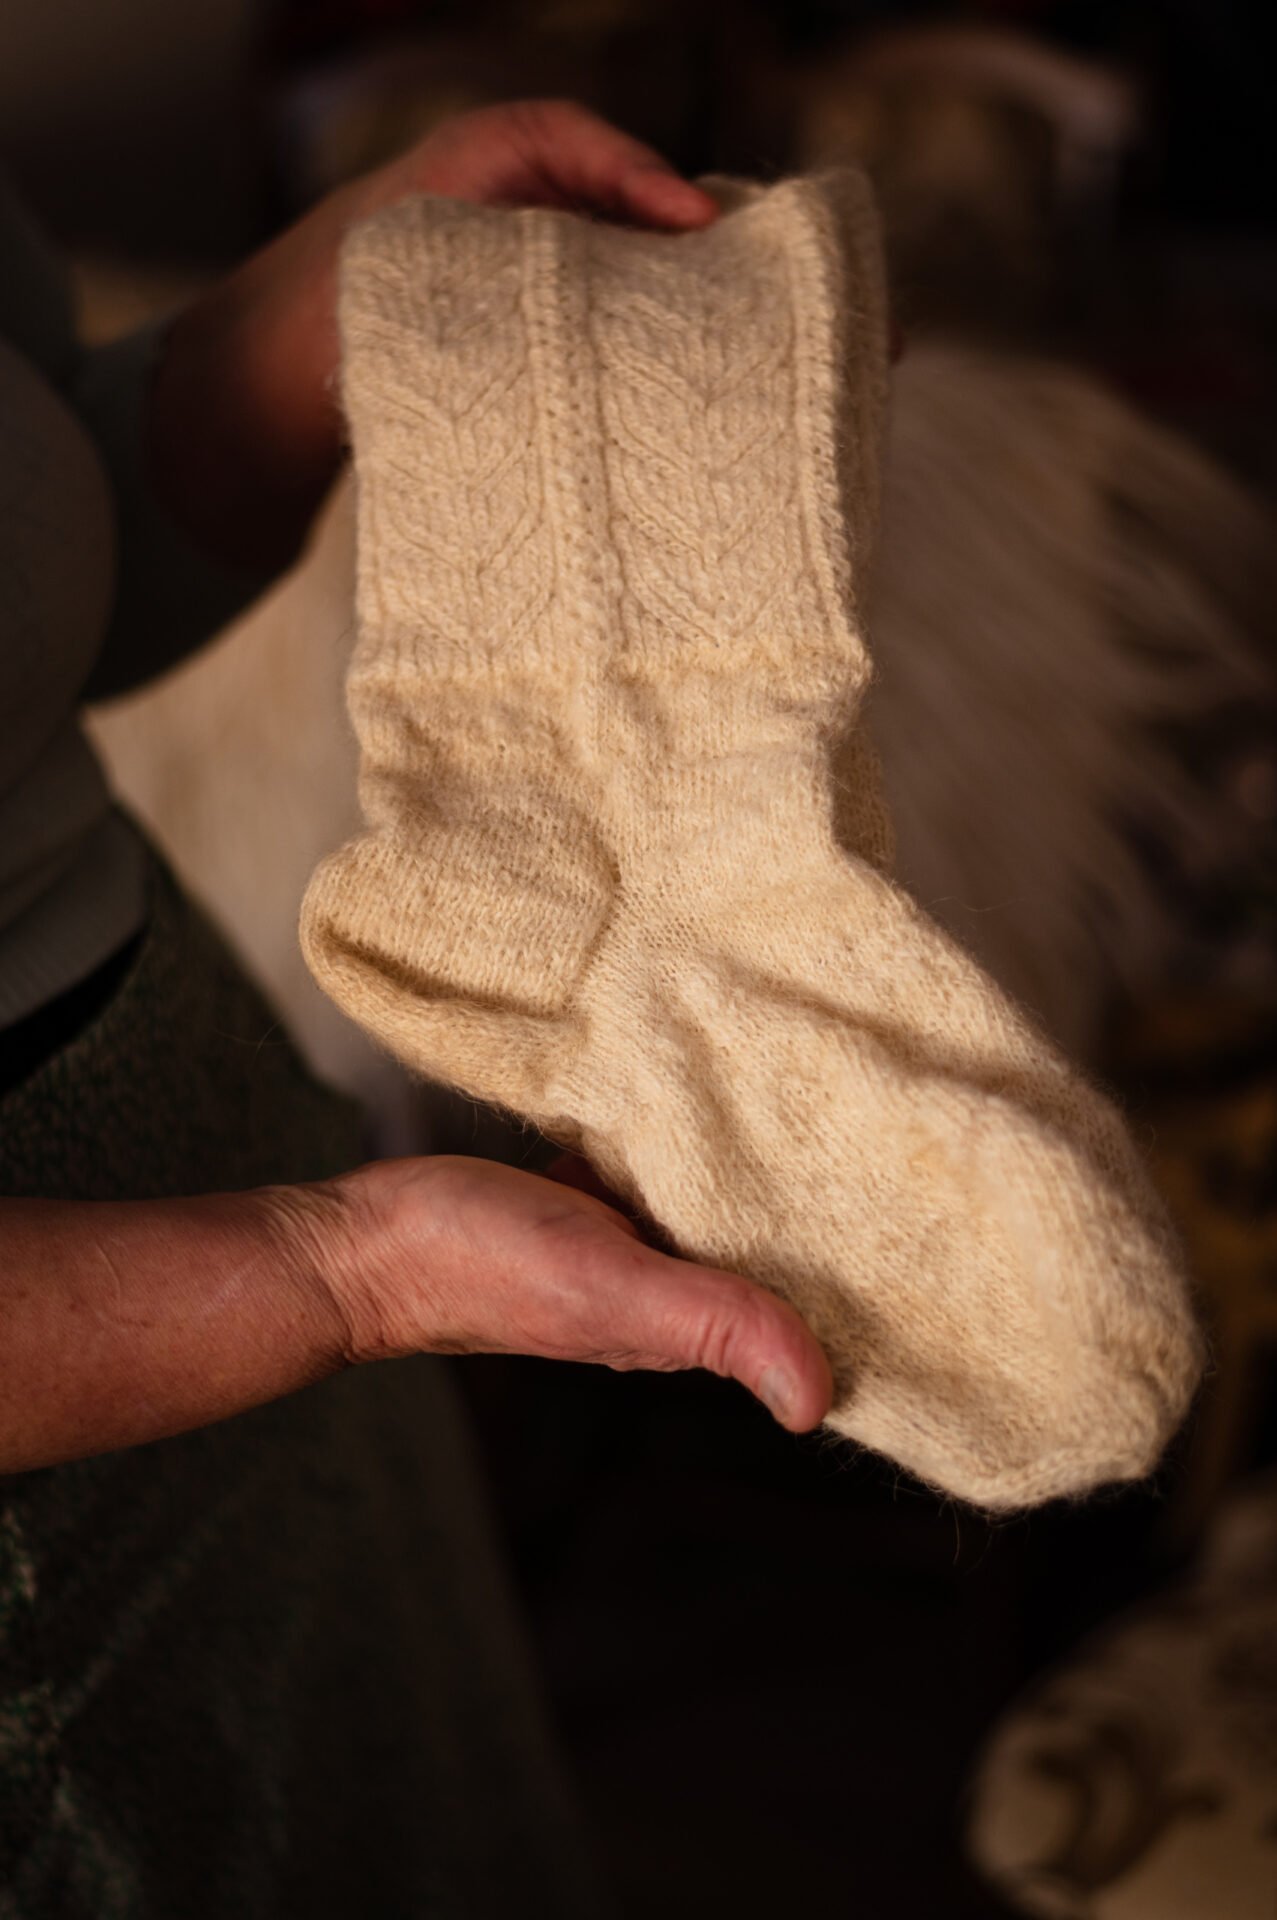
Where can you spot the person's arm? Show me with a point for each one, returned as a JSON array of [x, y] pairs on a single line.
[[123, 1322], [222, 452]]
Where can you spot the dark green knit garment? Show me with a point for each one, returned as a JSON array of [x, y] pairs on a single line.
[[269, 1668]]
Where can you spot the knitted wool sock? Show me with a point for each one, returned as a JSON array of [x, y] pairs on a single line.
[[616, 495]]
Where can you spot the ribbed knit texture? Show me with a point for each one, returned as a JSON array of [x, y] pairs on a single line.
[[617, 497]]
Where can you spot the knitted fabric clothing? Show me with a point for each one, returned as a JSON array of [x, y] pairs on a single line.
[[617, 494]]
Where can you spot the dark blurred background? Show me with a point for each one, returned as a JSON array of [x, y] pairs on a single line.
[[1117, 199], [772, 1662]]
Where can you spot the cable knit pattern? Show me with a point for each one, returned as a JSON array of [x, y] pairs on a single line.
[[617, 497]]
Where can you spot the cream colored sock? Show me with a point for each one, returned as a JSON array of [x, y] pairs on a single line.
[[617, 494]]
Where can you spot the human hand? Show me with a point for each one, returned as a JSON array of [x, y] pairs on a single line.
[[545, 153], [124, 1321], [453, 1255], [244, 431]]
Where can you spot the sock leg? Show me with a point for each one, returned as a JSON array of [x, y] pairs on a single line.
[[457, 925]]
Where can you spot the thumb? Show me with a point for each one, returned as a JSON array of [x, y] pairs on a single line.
[[682, 1315]]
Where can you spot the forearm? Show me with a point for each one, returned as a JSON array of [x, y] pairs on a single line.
[[123, 1322], [244, 429]]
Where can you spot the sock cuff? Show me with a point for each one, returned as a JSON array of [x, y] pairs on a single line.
[[663, 446]]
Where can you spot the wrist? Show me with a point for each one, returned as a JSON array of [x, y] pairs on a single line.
[[320, 1244], [352, 1242]]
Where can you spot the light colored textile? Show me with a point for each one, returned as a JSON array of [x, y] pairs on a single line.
[[617, 498]]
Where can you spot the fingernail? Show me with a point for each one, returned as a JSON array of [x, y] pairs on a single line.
[[777, 1392]]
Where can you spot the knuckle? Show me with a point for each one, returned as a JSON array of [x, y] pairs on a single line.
[[728, 1325]]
